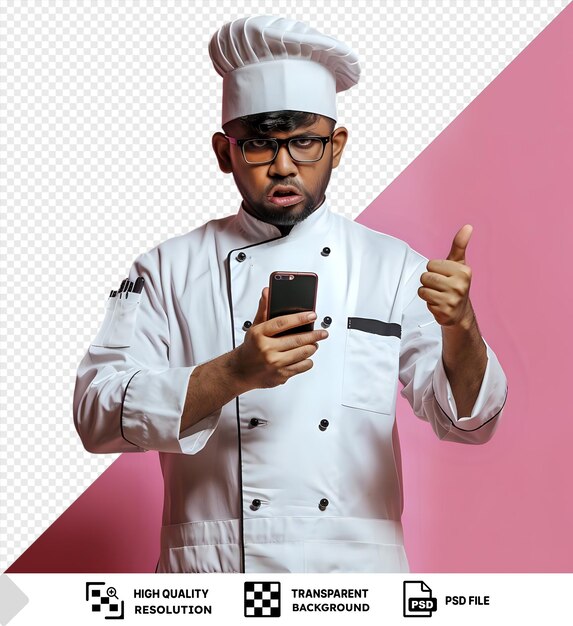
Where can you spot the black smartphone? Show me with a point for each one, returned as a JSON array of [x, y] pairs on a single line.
[[292, 292]]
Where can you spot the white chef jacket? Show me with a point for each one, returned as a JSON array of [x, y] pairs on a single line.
[[329, 492]]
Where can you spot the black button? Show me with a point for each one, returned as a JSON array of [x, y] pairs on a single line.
[[254, 422], [247, 325], [255, 504], [323, 424], [322, 505], [326, 322], [241, 257], [325, 251]]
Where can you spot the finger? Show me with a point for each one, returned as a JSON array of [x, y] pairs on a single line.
[[290, 342], [439, 282], [459, 244], [297, 355], [431, 296], [298, 368], [438, 313], [446, 267], [286, 322], [261, 315]]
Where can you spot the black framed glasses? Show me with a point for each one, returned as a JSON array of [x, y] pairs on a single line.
[[302, 149]]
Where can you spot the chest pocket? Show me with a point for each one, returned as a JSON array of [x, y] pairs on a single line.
[[371, 364], [117, 327]]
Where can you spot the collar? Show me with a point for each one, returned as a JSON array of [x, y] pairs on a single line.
[[256, 230]]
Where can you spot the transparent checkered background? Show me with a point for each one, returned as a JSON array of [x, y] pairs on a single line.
[[107, 114]]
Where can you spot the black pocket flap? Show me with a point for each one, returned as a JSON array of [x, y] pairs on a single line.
[[375, 326]]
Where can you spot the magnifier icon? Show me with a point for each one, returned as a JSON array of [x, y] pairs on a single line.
[[111, 592]]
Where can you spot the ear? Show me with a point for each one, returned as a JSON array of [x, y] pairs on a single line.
[[339, 139], [222, 149]]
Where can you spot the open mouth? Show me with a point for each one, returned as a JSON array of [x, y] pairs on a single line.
[[285, 196]]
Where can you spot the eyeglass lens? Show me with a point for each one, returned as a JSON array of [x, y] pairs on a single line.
[[301, 149]]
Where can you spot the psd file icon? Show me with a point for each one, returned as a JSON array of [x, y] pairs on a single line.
[[418, 599]]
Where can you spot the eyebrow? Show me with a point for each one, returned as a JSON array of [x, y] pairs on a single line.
[[307, 133]]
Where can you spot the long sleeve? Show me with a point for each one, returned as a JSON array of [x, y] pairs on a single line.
[[127, 398], [426, 386]]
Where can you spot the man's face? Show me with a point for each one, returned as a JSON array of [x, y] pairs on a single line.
[[257, 183]]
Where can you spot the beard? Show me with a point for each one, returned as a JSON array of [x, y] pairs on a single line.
[[285, 216], [282, 216]]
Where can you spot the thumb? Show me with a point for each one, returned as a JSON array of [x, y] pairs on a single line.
[[459, 244], [261, 315]]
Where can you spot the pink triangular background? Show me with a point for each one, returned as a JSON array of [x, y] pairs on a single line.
[[505, 165], [112, 527]]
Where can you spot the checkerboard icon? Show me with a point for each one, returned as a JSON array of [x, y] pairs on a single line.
[[104, 601], [262, 599]]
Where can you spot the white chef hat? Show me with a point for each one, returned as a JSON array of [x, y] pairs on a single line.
[[271, 63]]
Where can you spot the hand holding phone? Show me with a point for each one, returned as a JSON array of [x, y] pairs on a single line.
[[276, 349]]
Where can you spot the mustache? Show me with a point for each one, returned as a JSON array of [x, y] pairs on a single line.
[[285, 183]]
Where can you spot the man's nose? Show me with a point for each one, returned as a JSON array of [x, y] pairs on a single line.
[[283, 165]]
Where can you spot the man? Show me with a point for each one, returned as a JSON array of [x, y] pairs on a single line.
[[279, 452]]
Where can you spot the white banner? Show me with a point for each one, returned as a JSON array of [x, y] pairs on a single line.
[[32, 599]]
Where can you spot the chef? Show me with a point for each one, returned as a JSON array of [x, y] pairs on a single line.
[[280, 453]]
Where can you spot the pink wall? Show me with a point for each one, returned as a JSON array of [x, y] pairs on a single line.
[[112, 527], [505, 165]]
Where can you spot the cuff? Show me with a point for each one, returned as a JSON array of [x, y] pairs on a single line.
[[152, 407], [490, 400]]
